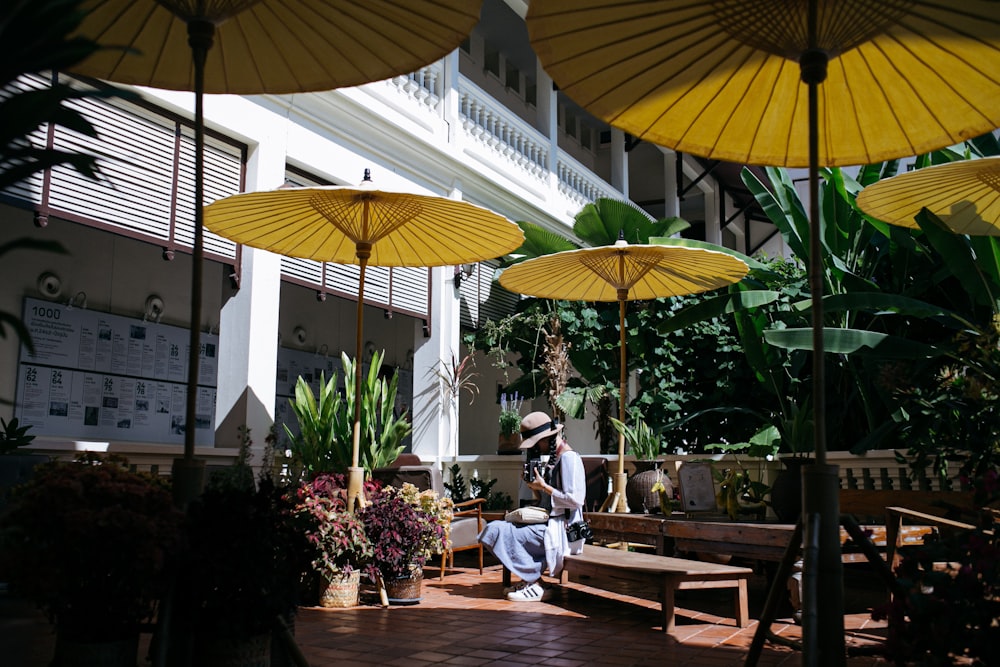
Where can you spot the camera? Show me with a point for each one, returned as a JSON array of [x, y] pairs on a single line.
[[579, 531], [532, 470]]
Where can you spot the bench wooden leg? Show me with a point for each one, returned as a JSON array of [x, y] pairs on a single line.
[[742, 605], [667, 606]]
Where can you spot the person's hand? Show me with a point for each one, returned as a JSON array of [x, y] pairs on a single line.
[[538, 484]]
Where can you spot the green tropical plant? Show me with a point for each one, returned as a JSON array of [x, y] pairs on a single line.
[[510, 414], [321, 444], [551, 336], [643, 443], [326, 422], [890, 301], [13, 435]]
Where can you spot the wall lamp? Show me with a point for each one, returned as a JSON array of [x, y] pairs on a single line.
[[463, 272], [154, 309], [78, 300]]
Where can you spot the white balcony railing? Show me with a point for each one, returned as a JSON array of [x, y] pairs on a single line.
[[425, 86], [492, 125]]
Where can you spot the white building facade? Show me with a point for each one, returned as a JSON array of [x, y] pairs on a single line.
[[484, 125]]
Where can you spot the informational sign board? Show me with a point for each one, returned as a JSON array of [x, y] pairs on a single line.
[[697, 487], [98, 376]]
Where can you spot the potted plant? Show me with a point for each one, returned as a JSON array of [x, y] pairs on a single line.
[[645, 445], [89, 541], [324, 440], [740, 491], [239, 573], [794, 433], [336, 538], [509, 441], [406, 527]]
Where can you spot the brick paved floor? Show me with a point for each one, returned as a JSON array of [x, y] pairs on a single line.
[[464, 621]]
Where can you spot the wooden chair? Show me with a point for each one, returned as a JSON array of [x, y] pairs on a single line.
[[464, 532]]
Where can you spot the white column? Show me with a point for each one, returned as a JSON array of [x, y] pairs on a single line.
[[449, 92], [248, 330], [713, 218], [548, 120], [670, 202], [434, 422], [619, 161]]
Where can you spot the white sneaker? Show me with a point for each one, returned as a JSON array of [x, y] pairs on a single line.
[[531, 593], [516, 587]]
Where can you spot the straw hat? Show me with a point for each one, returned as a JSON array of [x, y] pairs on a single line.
[[536, 426]]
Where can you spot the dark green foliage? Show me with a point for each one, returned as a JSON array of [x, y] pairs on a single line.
[[480, 488], [35, 35], [243, 561], [13, 435], [948, 614], [90, 542], [36, 38]]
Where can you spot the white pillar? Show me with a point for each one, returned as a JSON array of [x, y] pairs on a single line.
[[619, 161], [450, 94], [671, 204], [713, 217], [434, 423], [248, 329], [548, 120]]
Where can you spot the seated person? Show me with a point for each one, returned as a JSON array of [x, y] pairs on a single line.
[[561, 486]]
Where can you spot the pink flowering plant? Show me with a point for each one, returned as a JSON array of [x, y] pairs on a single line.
[[406, 527], [337, 537]]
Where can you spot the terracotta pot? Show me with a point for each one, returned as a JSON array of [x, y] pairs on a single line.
[[509, 443], [341, 591]]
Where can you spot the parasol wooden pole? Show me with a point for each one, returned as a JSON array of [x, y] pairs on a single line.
[[619, 502], [189, 474], [356, 474], [822, 622]]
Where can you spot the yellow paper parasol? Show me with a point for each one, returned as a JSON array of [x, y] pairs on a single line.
[[964, 195], [622, 273], [254, 47], [740, 80], [363, 226]]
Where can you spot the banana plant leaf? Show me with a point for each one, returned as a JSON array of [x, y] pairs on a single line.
[[853, 341]]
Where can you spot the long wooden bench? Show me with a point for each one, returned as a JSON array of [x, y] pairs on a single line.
[[665, 575]]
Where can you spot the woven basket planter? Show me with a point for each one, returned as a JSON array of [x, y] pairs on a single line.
[[341, 591], [405, 590]]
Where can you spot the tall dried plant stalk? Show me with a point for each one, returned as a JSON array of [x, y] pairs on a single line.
[[556, 364]]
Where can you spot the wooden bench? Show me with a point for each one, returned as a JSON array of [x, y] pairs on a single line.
[[665, 575]]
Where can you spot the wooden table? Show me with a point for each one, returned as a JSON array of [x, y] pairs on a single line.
[[754, 540]]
